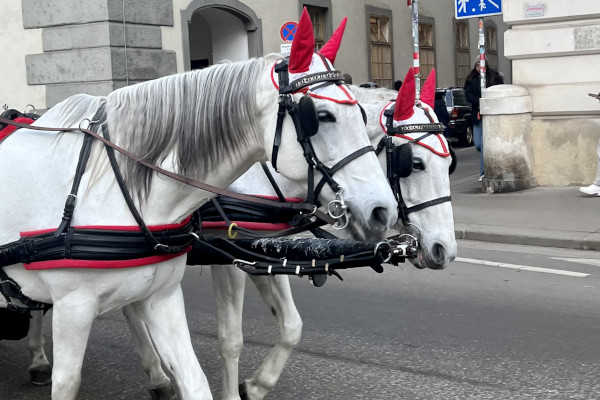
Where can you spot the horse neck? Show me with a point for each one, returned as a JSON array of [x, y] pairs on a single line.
[[219, 166]]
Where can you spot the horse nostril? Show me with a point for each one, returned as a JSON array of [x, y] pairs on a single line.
[[439, 255], [379, 217]]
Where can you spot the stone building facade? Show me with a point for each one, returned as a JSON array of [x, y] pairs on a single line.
[[56, 48], [555, 51]]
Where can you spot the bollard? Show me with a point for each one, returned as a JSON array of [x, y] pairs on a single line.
[[507, 157]]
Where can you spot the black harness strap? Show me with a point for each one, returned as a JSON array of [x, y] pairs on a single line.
[[84, 156], [271, 179], [11, 290], [303, 207], [156, 244]]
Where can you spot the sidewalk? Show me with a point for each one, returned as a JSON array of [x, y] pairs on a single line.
[[544, 216]]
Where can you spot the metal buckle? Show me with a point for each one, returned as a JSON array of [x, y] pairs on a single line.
[[338, 210]]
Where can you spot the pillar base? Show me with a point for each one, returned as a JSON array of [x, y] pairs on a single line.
[[491, 186]]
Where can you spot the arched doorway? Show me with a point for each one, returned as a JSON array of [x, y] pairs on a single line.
[[219, 30]]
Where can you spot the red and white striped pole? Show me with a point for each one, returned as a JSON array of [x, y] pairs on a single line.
[[415, 35]]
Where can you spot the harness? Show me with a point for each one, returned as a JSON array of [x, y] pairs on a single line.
[[76, 243], [305, 119], [399, 159]]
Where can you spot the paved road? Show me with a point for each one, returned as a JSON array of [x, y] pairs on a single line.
[[472, 331]]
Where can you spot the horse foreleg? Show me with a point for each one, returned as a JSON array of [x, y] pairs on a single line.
[[228, 286], [164, 315], [39, 370], [71, 324], [276, 293], [160, 384]]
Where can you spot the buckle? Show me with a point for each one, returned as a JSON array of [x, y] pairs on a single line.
[[26, 248]]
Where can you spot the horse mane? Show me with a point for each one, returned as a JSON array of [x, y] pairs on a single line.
[[368, 95], [196, 118]]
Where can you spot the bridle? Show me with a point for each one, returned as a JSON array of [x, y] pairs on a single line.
[[306, 122], [399, 159]]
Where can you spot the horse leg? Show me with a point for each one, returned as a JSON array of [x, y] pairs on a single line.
[[276, 293], [39, 370], [164, 315], [228, 287], [160, 384], [71, 324]]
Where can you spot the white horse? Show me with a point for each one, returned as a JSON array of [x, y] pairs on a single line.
[[167, 122], [432, 225]]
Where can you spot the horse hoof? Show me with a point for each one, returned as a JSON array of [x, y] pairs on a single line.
[[41, 376], [163, 392], [243, 391]]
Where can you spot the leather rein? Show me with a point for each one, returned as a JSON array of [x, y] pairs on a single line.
[[301, 207]]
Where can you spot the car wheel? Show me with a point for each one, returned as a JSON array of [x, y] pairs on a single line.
[[467, 138]]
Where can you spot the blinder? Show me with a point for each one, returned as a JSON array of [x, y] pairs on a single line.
[[309, 120], [402, 160]]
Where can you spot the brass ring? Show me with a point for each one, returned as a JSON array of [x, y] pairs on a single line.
[[232, 235]]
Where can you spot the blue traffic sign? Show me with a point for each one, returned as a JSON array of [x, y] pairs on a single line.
[[288, 30], [476, 8]]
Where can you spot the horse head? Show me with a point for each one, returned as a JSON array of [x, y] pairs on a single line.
[[331, 136], [420, 168], [425, 184]]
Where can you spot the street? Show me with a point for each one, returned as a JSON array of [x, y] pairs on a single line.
[[501, 322]]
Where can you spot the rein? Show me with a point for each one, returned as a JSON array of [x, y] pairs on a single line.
[[301, 207]]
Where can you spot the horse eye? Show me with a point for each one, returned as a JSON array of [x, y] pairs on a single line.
[[326, 116], [418, 164]]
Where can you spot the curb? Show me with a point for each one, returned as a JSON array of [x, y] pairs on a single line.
[[528, 236]]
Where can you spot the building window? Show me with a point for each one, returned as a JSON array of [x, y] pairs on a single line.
[[491, 46], [426, 49], [463, 58], [381, 51], [317, 17]]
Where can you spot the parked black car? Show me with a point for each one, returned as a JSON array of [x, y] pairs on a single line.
[[459, 130]]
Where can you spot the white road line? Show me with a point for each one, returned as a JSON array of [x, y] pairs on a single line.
[[588, 261], [521, 267]]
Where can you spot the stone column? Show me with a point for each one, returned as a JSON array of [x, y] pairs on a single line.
[[97, 46], [507, 157]]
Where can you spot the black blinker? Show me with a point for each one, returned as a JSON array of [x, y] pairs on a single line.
[[402, 160], [309, 119]]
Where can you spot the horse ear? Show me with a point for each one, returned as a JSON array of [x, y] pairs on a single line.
[[428, 91], [303, 45], [405, 102], [330, 49]]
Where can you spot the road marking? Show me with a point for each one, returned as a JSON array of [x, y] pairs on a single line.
[[522, 267], [589, 261]]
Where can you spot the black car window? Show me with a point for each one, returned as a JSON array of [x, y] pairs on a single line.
[[459, 98]]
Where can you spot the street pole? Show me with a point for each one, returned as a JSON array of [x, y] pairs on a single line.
[[415, 35], [482, 54]]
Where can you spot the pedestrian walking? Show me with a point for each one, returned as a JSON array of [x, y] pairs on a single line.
[[473, 93]]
